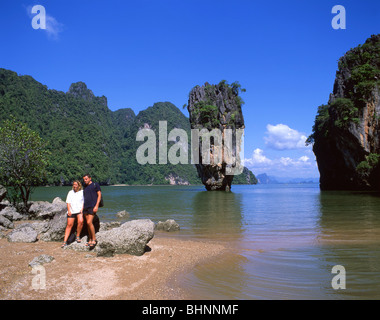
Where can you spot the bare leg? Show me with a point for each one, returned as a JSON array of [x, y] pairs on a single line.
[[79, 224], [90, 228], [70, 223]]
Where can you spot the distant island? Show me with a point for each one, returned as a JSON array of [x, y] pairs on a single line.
[[263, 178]]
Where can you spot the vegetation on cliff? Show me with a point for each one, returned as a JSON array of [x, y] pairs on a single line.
[[218, 106], [346, 131]]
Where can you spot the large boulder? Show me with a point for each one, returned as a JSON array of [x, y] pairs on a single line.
[[23, 234], [56, 228], [39, 226], [42, 210], [131, 238], [11, 213]]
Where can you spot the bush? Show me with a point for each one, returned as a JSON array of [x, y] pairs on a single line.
[[346, 111], [23, 158], [365, 167]]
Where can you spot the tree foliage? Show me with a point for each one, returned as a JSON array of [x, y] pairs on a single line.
[[23, 158]]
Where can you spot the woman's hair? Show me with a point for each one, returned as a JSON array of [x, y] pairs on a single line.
[[79, 185]]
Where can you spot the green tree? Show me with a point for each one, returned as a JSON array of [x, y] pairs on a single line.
[[23, 158]]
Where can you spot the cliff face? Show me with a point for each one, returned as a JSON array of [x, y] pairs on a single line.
[[346, 134], [216, 107]]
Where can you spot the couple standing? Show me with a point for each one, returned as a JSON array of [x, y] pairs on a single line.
[[83, 202]]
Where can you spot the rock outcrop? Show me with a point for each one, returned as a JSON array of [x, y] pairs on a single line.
[[346, 133], [216, 107], [131, 238]]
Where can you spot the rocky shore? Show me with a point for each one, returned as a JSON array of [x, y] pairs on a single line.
[[132, 260], [47, 221]]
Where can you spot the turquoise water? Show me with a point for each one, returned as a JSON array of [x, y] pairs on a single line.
[[285, 239]]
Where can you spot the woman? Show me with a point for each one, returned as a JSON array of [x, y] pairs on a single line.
[[74, 202]]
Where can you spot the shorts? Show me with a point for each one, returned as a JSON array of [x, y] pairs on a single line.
[[73, 215], [89, 211]]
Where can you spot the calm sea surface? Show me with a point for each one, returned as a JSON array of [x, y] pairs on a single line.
[[286, 239]]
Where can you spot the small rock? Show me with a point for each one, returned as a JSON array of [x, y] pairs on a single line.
[[122, 214], [169, 225], [42, 259], [81, 247], [5, 222]]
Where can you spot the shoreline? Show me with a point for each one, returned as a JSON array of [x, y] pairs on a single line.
[[76, 275]]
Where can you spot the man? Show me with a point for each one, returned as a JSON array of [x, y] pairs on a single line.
[[92, 195]]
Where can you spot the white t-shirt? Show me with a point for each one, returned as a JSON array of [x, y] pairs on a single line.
[[75, 199]]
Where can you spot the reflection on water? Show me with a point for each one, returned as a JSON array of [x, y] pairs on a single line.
[[349, 217], [284, 239], [219, 212], [350, 236]]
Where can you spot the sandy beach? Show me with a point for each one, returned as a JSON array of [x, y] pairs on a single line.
[[82, 275]]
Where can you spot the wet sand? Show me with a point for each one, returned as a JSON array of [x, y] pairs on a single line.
[[82, 275]]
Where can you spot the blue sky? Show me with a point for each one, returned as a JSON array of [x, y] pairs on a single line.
[[137, 53]]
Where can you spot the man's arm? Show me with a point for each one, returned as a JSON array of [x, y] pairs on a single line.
[[97, 201]]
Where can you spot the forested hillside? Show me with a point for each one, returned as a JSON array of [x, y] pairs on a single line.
[[84, 135]]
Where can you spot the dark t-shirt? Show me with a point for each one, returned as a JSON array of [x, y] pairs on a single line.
[[90, 195]]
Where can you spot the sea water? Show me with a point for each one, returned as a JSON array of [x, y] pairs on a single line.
[[284, 239]]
